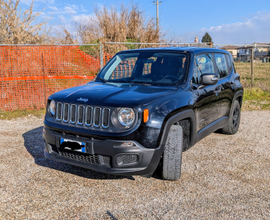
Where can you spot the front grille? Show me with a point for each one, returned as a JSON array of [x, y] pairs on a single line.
[[88, 158], [66, 112], [80, 114], [59, 111], [73, 112], [83, 115], [97, 116], [105, 117], [88, 115]]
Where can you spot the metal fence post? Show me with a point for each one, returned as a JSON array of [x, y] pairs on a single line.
[[44, 82], [252, 63], [101, 55]]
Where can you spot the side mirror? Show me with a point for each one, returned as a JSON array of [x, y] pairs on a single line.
[[209, 79]]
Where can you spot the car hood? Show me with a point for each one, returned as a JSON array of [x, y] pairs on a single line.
[[111, 94]]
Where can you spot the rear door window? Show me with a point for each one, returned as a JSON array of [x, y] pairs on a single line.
[[221, 65]]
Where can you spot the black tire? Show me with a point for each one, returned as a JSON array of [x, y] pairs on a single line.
[[172, 156], [234, 120]]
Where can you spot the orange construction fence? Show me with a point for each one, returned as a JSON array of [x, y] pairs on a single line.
[[30, 74]]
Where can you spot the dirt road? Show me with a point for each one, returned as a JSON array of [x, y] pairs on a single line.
[[223, 177]]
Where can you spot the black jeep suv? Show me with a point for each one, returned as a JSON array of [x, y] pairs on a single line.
[[144, 108]]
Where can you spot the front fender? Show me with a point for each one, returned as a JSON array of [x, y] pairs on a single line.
[[187, 114]]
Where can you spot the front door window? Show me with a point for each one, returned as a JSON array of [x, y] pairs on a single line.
[[203, 64]]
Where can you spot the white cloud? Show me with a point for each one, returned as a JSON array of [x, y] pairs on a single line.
[[62, 19], [82, 8], [54, 8], [253, 29], [83, 18], [27, 2], [69, 10], [75, 7]]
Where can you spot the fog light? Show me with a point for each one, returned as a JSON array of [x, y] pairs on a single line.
[[128, 144], [127, 159]]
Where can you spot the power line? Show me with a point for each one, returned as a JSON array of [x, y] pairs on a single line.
[[147, 4], [151, 6], [146, 8]]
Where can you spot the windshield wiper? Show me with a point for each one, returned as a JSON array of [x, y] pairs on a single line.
[[103, 80], [142, 81]]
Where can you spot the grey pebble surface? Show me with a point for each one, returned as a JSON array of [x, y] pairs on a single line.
[[223, 177]]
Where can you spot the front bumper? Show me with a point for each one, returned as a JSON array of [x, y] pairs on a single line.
[[107, 156]]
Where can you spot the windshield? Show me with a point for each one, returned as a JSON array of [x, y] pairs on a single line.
[[153, 68]]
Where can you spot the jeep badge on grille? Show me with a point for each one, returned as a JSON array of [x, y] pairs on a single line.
[[82, 100]]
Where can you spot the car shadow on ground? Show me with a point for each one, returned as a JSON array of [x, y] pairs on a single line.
[[34, 144]]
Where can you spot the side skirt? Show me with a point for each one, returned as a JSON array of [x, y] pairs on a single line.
[[209, 129]]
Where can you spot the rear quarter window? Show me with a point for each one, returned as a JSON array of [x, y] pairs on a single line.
[[230, 62]]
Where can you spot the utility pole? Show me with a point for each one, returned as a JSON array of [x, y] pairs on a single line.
[[252, 67], [157, 3]]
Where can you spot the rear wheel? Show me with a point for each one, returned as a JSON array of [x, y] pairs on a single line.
[[172, 156], [234, 120]]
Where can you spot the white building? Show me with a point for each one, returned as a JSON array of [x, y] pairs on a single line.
[[259, 49], [232, 49]]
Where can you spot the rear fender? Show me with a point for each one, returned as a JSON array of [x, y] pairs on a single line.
[[237, 95]]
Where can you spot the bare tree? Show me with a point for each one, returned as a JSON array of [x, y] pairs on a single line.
[[119, 25], [19, 26], [63, 36]]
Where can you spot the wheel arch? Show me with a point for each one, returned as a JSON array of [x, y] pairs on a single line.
[[168, 122], [239, 97], [180, 116]]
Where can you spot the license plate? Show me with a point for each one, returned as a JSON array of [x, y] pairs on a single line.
[[73, 145]]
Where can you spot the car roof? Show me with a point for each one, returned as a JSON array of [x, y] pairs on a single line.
[[195, 50]]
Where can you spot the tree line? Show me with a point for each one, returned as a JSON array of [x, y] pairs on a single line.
[[109, 24]]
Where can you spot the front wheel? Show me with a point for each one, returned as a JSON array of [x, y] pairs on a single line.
[[234, 120], [172, 156]]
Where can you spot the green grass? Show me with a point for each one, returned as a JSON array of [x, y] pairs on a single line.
[[256, 99], [21, 113], [261, 75], [92, 50]]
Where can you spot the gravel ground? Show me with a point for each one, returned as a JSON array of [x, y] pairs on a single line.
[[223, 177]]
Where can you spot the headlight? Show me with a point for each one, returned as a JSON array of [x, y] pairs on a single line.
[[126, 116], [52, 108]]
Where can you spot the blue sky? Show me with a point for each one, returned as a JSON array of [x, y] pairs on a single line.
[[228, 22]]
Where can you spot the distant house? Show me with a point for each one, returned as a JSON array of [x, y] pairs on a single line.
[[196, 45], [259, 49], [232, 49]]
